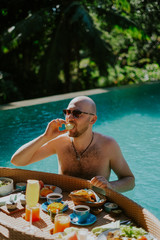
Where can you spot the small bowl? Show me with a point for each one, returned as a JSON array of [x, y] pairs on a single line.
[[109, 206], [116, 212], [54, 197], [21, 186], [7, 188], [11, 205]]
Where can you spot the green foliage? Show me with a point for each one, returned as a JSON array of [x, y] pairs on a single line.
[[7, 89], [134, 75], [57, 46]]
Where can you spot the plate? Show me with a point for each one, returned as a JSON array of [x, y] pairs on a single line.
[[104, 234], [56, 190], [45, 205], [79, 200], [60, 235], [90, 220]]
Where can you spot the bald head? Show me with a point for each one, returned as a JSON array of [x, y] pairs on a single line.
[[83, 103]]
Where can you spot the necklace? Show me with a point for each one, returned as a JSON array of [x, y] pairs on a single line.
[[78, 156]]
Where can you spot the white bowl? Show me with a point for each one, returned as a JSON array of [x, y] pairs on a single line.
[[8, 188]]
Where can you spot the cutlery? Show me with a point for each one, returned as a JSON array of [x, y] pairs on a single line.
[[99, 190]]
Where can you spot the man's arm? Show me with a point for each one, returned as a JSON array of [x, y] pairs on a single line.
[[40, 147], [118, 164]]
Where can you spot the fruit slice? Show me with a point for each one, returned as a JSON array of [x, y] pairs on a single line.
[[69, 126]]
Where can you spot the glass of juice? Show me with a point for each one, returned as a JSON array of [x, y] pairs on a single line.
[[32, 198], [35, 213], [61, 221]]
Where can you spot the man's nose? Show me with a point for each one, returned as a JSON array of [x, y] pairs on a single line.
[[69, 116]]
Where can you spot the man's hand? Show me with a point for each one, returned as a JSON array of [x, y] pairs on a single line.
[[100, 181], [52, 130]]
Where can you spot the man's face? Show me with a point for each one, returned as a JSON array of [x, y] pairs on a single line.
[[82, 123]]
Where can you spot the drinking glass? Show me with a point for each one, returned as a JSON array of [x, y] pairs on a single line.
[[32, 198], [61, 221]]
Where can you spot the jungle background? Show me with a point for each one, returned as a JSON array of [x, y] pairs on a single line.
[[50, 47]]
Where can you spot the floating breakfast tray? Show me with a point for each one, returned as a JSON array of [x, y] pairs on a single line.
[[11, 228]]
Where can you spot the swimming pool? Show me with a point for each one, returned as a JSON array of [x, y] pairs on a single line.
[[130, 114]]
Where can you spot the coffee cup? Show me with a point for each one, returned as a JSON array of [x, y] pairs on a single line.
[[81, 212], [54, 197]]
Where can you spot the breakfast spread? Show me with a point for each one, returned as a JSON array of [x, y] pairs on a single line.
[[111, 231]]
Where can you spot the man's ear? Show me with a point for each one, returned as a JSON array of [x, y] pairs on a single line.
[[93, 119]]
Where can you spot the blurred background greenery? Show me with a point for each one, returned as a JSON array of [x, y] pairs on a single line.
[[50, 47]]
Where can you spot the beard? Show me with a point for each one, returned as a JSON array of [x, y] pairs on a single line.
[[75, 133]]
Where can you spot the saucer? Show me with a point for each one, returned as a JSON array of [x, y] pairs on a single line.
[[90, 220], [45, 205]]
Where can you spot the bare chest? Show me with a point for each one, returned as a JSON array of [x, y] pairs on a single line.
[[91, 163]]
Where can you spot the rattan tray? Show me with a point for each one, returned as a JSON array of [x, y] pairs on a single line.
[[11, 227]]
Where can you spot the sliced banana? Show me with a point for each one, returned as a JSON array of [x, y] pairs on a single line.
[[69, 126]]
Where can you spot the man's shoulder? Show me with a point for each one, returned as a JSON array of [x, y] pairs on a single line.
[[105, 138]]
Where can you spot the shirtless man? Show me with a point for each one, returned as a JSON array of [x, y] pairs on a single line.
[[81, 152]]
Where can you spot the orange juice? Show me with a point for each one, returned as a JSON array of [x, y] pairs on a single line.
[[61, 222], [35, 213]]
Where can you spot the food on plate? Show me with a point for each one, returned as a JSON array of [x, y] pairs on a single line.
[[83, 195], [53, 207], [121, 232], [129, 233], [46, 190]]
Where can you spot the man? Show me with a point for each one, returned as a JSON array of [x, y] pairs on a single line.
[[81, 152]]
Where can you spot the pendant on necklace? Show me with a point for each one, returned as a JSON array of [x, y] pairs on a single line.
[[78, 157]]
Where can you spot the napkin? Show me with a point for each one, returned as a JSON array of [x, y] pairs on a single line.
[[3, 200], [98, 230]]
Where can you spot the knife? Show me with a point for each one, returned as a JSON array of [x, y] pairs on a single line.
[[98, 190]]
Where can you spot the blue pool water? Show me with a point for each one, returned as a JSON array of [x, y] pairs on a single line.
[[130, 114]]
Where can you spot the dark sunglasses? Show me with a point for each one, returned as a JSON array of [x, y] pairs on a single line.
[[75, 113]]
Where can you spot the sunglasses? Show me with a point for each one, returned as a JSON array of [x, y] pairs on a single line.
[[75, 113]]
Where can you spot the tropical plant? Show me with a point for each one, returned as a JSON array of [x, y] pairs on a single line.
[[56, 46]]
